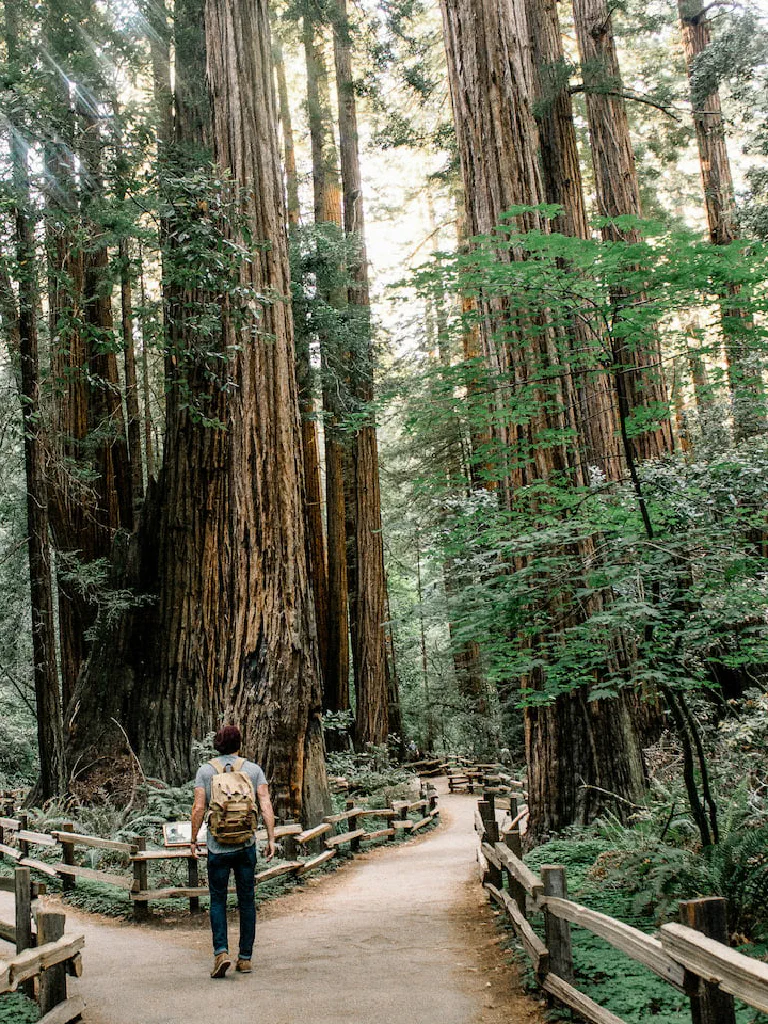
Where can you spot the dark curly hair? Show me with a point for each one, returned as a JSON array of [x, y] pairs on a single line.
[[228, 739]]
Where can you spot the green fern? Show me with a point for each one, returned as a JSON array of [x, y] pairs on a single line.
[[738, 868]]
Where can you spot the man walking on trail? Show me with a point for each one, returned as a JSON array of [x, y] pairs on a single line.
[[229, 786]]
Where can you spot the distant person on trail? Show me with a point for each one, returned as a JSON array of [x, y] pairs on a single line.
[[228, 787]]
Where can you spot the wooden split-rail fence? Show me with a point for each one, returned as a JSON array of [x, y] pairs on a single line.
[[300, 846], [45, 956], [693, 956]]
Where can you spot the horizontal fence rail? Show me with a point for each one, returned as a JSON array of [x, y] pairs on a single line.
[[694, 956], [44, 954], [348, 828]]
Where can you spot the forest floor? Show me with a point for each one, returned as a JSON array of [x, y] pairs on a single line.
[[398, 933]]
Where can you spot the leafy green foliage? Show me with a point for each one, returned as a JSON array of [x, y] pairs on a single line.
[[601, 877], [18, 1009], [690, 597], [372, 774]]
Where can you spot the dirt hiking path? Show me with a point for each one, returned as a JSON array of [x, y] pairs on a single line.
[[403, 933]]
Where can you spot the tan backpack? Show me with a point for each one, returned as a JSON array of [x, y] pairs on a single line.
[[232, 815]]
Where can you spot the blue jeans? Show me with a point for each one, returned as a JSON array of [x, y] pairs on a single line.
[[243, 863]]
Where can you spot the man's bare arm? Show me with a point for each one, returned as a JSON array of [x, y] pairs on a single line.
[[262, 793], [198, 814]]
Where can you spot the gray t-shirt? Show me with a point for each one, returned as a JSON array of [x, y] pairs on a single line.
[[203, 779]]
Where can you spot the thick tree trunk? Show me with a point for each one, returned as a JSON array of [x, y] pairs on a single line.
[[90, 484], [71, 498], [716, 177], [491, 81], [133, 412], [106, 422], [583, 758], [561, 174], [222, 544], [327, 207], [369, 638], [50, 741], [746, 381], [618, 195], [318, 566]]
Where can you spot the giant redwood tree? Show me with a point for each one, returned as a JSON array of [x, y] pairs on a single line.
[[19, 316], [745, 379], [575, 747], [563, 187], [222, 621], [638, 369], [369, 608], [326, 187]]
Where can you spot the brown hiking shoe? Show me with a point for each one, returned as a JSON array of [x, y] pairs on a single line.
[[244, 966], [221, 965]]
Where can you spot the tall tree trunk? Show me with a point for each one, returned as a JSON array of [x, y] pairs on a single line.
[[222, 545], [90, 490], [289, 149], [149, 453], [133, 412], [395, 711], [597, 390], [467, 662], [71, 497], [573, 745], [369, 650], [638, 370], [429, 734], [106, 422], [327, 208], [746, 381], [50, 741], [318, 566], [561, 178]]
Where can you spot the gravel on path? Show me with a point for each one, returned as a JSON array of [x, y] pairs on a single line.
[[399, 934]]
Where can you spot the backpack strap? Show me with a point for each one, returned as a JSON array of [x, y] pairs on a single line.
[[238, 766], [217, 766]]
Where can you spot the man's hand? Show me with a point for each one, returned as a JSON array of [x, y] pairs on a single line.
[[198, 814], [265, 804]]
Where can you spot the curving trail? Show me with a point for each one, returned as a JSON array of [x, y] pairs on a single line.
[[398, 934]]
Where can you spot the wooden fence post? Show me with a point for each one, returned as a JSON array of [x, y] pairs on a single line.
[[354, 844], [24, 937], [514, 843], [193, 879], [488, 814], [2, 841], [557, 933], [390, 823], [52, 988], [68, 882], [290, 846], [23, 824], [709, 1004], [140, 882]]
